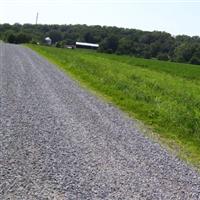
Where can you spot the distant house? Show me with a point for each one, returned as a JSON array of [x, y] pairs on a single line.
[[86, 45], [48, 40]]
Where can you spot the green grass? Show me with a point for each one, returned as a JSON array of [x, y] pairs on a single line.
[[164, 95]]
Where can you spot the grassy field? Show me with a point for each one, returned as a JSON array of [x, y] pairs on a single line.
[[164, 95]]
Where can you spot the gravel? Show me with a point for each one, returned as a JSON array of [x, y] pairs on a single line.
[[58, 141]]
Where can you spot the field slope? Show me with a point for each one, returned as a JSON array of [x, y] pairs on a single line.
[[165, 96]]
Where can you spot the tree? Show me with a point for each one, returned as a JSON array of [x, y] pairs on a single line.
[[183, 53], [88, 37], [163, 56], [195, 60], [56, 36], [11, 38], [23, 38], [109, 44], [124, 46], [20, 38], [139, 43], [196, 55]]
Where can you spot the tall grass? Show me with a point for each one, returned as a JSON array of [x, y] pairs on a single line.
[[164, 95]]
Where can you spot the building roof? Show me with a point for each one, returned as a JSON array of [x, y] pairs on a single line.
[[87, 44], [48, 38]]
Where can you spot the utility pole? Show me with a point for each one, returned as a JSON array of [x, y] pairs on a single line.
[[37, 18]]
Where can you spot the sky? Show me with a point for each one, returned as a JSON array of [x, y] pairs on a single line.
[[173, 16]]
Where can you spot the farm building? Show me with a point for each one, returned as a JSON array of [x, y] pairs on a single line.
[[48, 40], [86, 45]]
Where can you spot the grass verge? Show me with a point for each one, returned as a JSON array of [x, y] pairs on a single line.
[[165, 96]]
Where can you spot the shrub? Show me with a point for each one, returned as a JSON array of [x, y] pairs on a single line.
[[162, 56]]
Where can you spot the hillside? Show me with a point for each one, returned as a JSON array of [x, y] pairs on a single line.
[[164, 95], [123, 41]]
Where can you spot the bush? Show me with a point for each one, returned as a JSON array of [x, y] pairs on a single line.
[[195, 60], [162, 56], [11, 38], [33, 42], [60, 44], [18, 38], [23, 38]]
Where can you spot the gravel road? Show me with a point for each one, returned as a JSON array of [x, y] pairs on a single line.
[[58, 141]]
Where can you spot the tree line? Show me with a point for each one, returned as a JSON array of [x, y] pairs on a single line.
[[146, 44]]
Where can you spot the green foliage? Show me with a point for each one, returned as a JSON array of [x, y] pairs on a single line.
[[23, 38], [88, 37], [56, 36], [164, 95], [33, 42], [11, 38], [60, 44], [163, 56], [188, 52], [109, 44], [195, 60], [183, 53], [124, 46], [18, 38], [145, 44]]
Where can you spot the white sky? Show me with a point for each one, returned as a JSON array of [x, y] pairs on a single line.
[[173, 16]]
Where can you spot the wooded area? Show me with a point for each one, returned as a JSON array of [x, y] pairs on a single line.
[[159, 45]]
